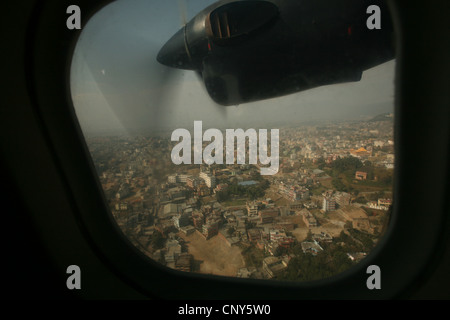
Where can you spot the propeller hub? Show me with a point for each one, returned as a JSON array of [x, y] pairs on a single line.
[[175, 53]]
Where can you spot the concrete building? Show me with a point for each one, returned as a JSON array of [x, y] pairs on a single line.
[[172, 178], [268, 215], [361, 175], [342, 198], [178, 178], [198, 219], [311, 247], [328, 204], [358, 217], [210, 229], [184, 262], [293, 192], [285, 225], [253, 207], [385, 203], [193, 182], [254, 234], [170, 210], [309, 220], [181, 220], [273, 266], [322, 237], [173, 249], [210, 179], [276, 235], [123, 192]]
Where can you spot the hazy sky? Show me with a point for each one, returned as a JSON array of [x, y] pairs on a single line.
[[118, 86]]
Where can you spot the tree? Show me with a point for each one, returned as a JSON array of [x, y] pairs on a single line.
[[230, 231], [344, 164], [198, 203], [339, 185], [367, 163], [256, 176], [265, 184], [320, 163], [222, 196], [158, 240]]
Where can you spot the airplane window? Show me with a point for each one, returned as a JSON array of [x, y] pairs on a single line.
[[268, 159]]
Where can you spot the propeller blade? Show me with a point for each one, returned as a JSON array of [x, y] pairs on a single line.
[[130, 82], [183, 12], [222, 110]]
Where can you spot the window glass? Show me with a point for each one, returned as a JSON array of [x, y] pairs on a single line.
[[325, 198]]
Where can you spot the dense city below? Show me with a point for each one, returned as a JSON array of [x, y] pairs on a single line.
[[323, 211]]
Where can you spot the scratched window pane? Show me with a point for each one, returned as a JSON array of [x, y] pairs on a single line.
[[236, 144]]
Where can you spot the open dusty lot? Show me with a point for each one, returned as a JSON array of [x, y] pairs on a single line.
[[332, 229], [333, 224], [214, 255]]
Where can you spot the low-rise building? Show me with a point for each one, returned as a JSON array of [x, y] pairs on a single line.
[[385, 203], [253, 207], [322, 237], [245, 272], [209, 178], [187, 230], [309, 220], [275, 235], [361, 175], [311, 247], [285, 225], [184, 262], [358, 217], [268, 215], [273, 266], [356, 256], [254, 234], [210, 229], [181, 220], [193, 182], [173, 249], [342, 198], [328, 204]]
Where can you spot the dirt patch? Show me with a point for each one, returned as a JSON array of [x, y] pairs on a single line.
[[214, 256], [332, 229], [300, 233], [332, 223], [329, 228]]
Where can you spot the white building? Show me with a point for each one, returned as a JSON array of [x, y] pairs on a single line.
[[172, 178], [210, 179], [175, 178], [329, 204]]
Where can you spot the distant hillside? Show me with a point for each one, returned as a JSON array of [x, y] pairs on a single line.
[[383, 117]]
